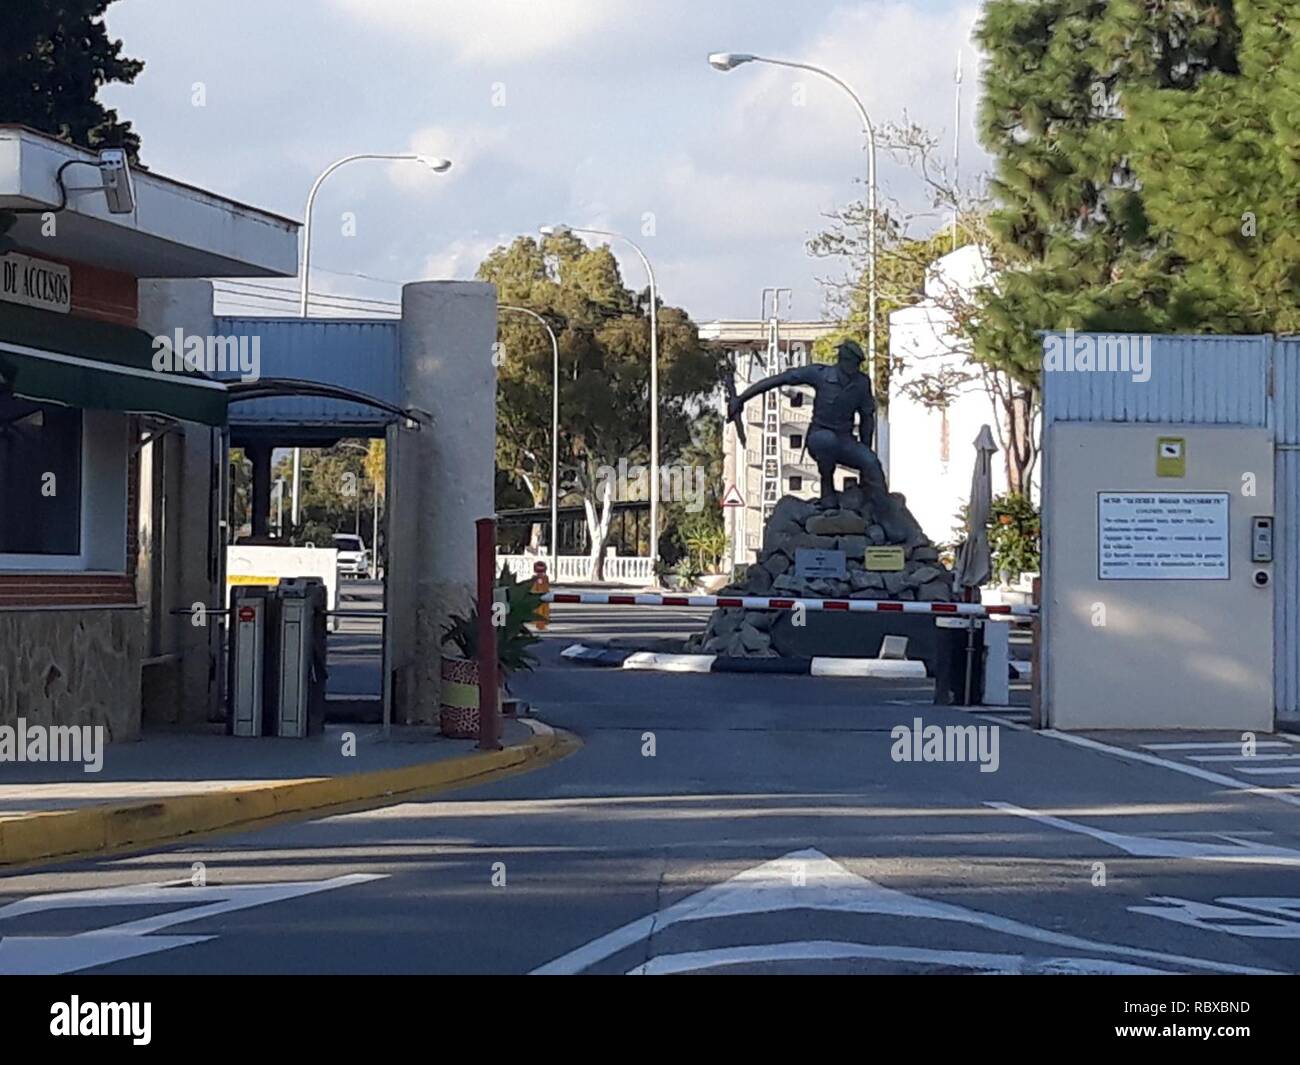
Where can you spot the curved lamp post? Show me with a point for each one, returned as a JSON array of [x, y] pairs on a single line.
[[561, 230], [555, 433], [435, 163], [729, 61]]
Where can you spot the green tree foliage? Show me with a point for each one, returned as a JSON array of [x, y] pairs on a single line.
[[1075, 225], [54, 57], [1219, 164], [1015, 533], [604, 339], [696, 527]]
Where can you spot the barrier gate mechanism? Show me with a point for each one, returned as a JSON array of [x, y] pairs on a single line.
[[982, 670], [277, 659]]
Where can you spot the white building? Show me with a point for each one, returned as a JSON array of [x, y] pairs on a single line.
[[937, 398]]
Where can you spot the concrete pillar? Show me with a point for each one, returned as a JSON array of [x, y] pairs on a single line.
[[189, 566], [442, 477], [260, 497]]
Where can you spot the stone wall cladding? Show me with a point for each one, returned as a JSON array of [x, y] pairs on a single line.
[[79, 666]]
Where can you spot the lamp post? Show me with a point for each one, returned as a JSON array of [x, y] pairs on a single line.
[[437, 164], [555, 433], [729, 61], [561, 230]]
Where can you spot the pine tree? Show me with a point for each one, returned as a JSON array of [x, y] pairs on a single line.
[[54, 57], [1072, 222], [1220, 169]]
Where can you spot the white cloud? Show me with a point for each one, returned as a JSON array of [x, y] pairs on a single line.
[[459, 259], [897, 58], [485, 30], [463, 145]]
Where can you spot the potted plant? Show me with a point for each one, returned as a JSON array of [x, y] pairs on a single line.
[[458, 714]]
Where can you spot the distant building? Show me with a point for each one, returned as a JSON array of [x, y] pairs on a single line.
[[786, 468]]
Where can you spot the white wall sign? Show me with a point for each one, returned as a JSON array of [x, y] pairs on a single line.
[[35, 283], [1162, 536]]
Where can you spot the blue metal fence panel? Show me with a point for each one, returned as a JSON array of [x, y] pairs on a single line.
[[357, 354]]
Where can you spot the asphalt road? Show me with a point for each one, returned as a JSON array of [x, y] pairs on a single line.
[[717, 823]]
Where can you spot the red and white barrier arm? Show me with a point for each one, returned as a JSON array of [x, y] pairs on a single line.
[[758, 602]]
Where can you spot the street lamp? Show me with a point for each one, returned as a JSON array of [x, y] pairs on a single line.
[[562, 230], [555, 433], [725, 61], [435, 163]]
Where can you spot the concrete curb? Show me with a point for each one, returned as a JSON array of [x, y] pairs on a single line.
[[87, 830]]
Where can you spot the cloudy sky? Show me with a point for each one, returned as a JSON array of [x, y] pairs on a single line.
[[601, 113]]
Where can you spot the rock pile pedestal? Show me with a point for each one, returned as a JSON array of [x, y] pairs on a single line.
[[850, 528]]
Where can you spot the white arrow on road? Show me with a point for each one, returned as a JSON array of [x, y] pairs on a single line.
[[809, 880], [51, 955]]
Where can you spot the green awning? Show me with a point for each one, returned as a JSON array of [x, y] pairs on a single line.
[[82, 363]]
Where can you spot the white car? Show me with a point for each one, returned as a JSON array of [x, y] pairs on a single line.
[[353, 559]]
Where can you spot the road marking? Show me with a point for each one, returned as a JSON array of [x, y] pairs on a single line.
[[808, 880], [51, 955], [1206, 745], [1237, 921], [1288, 797], [1238, 757], [1266, 770], [832, 950], [1241, 851]]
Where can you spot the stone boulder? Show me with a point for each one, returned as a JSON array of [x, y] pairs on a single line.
[[851, 528]]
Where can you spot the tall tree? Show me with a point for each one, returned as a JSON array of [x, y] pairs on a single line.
[[55, 55], [604, 336], [1220, 170], [1071, 220]]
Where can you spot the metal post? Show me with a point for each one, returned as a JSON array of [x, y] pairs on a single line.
[[489, 724]]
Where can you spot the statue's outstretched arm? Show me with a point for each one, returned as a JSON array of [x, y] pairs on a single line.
[[793, 376]]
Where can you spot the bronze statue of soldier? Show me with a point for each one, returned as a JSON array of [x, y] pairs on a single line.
[[841, 393]]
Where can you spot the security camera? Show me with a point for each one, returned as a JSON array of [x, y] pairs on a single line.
[[1260, 578], [115, 173]]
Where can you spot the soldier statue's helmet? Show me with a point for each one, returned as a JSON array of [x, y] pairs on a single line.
[[851, 348]]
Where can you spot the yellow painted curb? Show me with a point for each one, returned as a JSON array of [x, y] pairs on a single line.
[[90, 829]]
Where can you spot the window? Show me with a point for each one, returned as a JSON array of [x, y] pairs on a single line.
[[796, 441], [796, 400], [796, 484], [40, 478], [850, 482]]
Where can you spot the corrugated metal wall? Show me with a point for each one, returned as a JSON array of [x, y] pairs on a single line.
[[1217, 380], [1286, 508], [361, 355], [1212, 380]]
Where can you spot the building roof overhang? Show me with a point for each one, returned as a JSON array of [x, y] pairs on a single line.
[[176, 230]]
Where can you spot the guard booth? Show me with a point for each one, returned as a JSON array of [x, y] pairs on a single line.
[[1171, 493]]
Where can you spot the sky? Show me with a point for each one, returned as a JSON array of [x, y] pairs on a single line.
[[599, 113]]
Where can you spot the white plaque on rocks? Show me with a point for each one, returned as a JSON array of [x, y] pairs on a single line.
[[1162, 536], [811, 562]]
